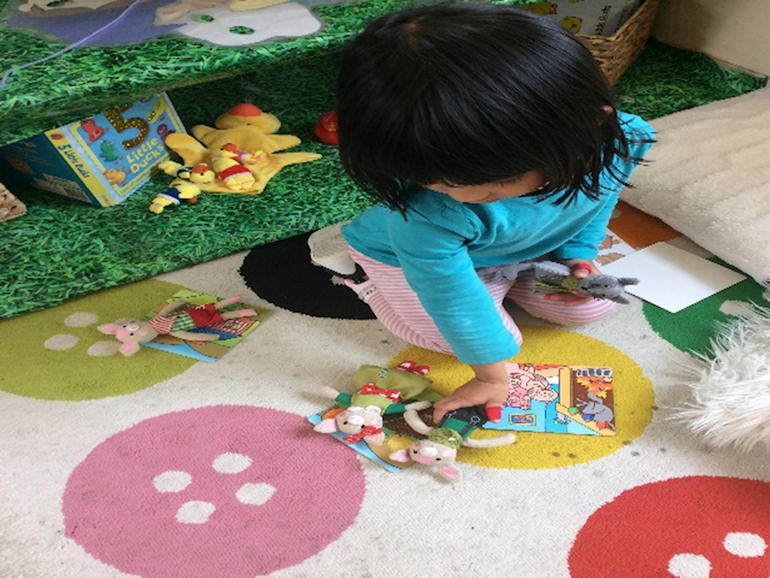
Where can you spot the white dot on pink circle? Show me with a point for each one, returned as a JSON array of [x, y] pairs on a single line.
[[171, 481], [255, 494], [195, 512], [231, 463]]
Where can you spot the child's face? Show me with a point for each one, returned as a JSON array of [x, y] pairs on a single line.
[[524, 184]]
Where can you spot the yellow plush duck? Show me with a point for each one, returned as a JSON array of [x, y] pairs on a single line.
[[248, 114], [202, 173], [243, 136], [179, 191], [228, 164]]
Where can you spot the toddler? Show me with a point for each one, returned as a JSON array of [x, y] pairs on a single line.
[[489, 136]]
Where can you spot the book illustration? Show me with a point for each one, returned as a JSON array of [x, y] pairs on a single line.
[[612, 249], [575, 400], [230, 332]]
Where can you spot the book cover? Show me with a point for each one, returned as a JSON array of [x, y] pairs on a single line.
[[570, 399], [99, 160]]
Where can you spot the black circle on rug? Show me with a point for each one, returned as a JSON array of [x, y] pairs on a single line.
[[282, 274]]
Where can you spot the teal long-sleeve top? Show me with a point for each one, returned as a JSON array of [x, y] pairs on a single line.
[[443, 242]]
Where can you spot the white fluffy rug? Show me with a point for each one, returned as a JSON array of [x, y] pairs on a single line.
[[731, 385]]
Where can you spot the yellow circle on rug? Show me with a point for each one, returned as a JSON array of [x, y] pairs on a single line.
[[542, 345], [58, 353]]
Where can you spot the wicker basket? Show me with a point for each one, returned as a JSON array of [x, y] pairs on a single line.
[[10, 206], [617, 52]]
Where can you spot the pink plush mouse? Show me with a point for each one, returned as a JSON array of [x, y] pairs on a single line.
[[175, 319]]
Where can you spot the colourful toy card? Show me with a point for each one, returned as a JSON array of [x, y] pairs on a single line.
[[559, 399]]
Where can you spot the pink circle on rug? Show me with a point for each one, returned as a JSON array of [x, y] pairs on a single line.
[[679, 527], [215, 491]]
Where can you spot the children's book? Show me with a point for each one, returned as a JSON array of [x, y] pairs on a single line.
[[571, 399], [230, 331]]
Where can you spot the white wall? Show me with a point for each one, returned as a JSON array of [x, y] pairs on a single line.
[[735, 31]]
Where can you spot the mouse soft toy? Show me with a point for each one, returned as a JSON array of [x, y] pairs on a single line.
[[177, 319], [439, 449], [554, 277], [380, 391]]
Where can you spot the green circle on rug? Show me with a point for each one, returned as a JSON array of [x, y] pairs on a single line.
[[634, 398], [58, 353], [692, 329]]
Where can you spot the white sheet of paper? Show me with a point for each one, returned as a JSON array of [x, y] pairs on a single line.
[[670, 277]]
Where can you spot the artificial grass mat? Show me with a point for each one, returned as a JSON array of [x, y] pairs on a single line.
[[62, 248], [91, 79]]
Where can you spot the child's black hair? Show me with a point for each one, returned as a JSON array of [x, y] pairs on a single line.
[[473, 93]]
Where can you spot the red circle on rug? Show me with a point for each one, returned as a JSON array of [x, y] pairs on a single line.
[[713, 524], [216, 491]]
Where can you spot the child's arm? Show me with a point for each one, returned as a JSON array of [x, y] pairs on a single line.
[[436, 264], [584, 244], [489, 388]]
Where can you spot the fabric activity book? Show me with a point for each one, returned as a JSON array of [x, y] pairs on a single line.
[[543, 398], [231, 331], [389, 389], [399, 436], [559, 399]]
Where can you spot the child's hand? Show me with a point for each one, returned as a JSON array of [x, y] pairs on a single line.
[[489, 388], [580, 269]]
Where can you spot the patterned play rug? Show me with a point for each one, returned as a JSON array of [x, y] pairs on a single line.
[[159, 466]]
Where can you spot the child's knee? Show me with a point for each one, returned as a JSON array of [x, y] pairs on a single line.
[[577, 316]]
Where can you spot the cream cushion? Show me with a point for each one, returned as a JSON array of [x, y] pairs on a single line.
[[709, 178]]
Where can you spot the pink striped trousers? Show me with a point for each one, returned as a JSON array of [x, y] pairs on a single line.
[[399, 309]]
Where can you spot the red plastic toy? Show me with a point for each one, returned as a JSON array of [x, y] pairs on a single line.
[[326, 129]]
